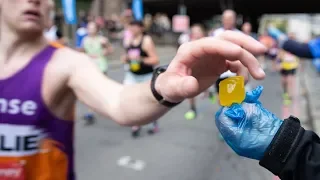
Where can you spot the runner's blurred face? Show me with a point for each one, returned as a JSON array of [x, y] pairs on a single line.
[[92, 28], [196, 33], [25, 16], [229, 20], [292, 36], [246, 28], [136, 29]]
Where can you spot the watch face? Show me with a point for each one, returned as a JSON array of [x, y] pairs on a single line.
[[162, 69], [159, 70]]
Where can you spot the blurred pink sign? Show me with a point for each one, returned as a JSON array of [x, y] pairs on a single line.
[[180, 23]]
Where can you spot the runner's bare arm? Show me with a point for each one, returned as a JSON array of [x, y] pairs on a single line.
[[81, 48], [150, 49], [126, 105], [124, 58], [195, 67], [108, 48]]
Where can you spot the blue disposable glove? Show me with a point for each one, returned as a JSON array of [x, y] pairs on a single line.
[[248, 128], [275, 33], [314, 46]]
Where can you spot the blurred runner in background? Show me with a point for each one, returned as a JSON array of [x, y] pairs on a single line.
[[271, 46], [228, 23], [53, 33], [81, 33], [288, 69], [247, 29], [141, 57], [183, 38], [197, 32], [97, 47]]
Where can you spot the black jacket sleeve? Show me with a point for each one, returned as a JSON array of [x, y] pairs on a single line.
[[299, 49], [294, 153]]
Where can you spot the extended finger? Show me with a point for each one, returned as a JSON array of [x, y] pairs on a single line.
[[245, 41], [254, 95], [190, 53]]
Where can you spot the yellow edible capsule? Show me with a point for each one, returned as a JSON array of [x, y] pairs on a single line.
[[232, 90]]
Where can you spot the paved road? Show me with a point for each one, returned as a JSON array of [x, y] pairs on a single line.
[[183, 150]]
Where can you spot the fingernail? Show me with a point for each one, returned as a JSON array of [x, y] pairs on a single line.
[[264, 47], [261, 72]]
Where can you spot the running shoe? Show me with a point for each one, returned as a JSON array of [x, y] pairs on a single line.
[[135, 132], [285, 96], [153, 130], [190, 115], [90, 119], [286, 99], [213, 99]]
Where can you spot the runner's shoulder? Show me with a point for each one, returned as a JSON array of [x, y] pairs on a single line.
[[147, 38]]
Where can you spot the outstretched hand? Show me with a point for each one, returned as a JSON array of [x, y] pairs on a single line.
[[198, 64]]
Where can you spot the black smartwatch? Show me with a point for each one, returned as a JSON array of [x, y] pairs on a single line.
[[159, 98]]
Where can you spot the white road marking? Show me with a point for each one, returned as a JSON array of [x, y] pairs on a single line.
[[128, 162]]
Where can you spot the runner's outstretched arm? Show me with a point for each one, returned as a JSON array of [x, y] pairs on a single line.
[[309, 50], [282, 147], [195, 68], [112, 99]]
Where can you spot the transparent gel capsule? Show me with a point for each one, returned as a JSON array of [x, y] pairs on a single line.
[[232, 90]]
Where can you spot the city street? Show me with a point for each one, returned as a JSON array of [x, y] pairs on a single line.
[[182, 150], [47, 132]]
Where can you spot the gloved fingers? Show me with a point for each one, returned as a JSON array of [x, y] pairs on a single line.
[[225, 124], [254, 95], [235, 112]]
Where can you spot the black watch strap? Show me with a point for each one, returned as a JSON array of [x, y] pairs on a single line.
[[158, 97]]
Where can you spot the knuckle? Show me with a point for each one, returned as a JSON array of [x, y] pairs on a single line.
[[184, 48], [237, 50]]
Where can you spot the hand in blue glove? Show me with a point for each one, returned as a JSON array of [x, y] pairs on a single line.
[[248, 128], [314, 46], [276, 33]]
